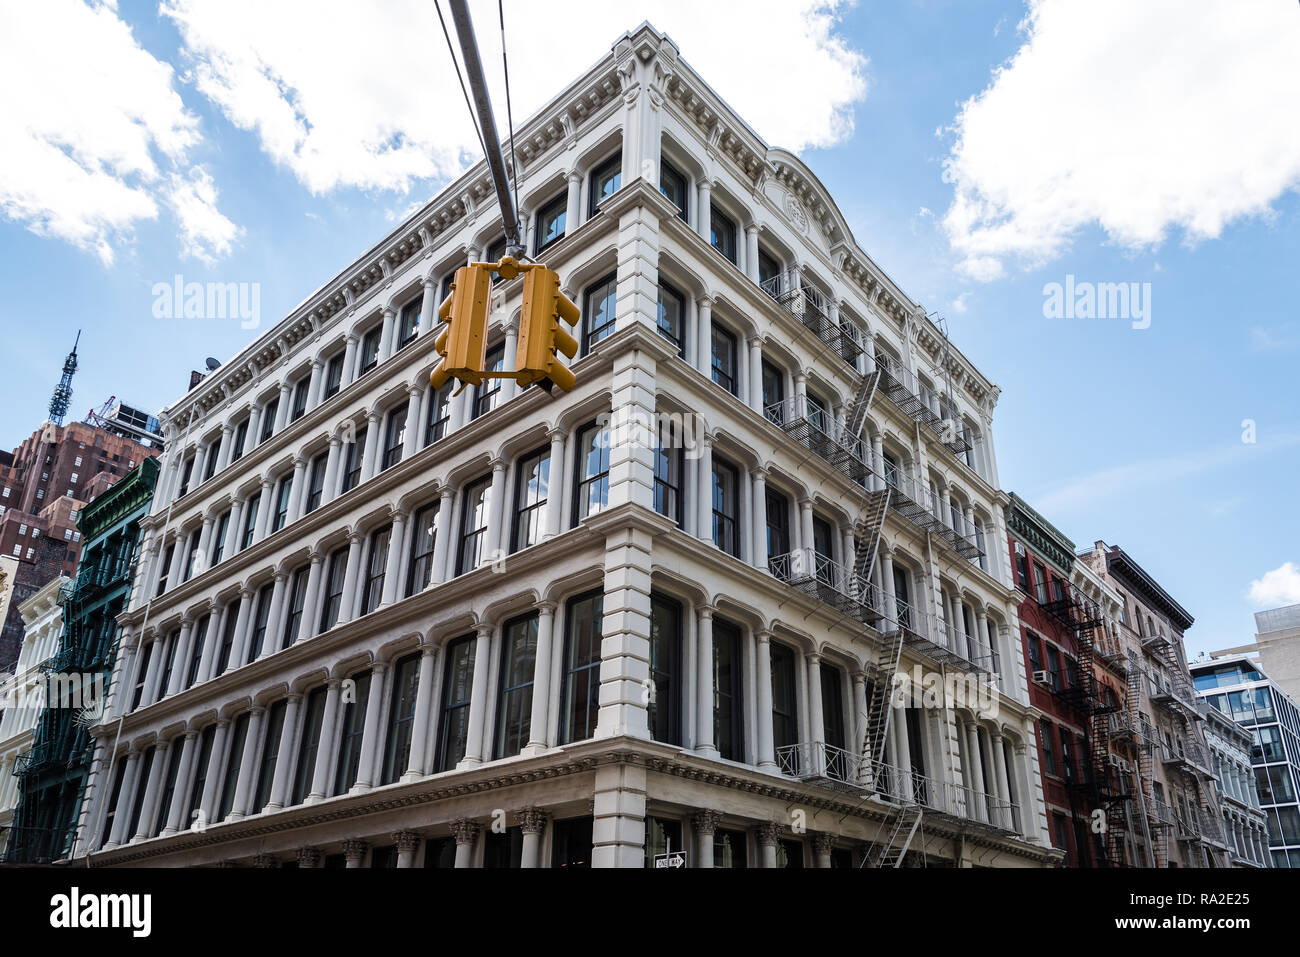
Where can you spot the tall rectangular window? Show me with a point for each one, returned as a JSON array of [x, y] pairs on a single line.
[[515, 705], [1047, 737], [605, 181], [187, 472], [773, 392], [778, 524], [227, 637], [238, 739], [598, 313], [423, 538], [269, 413], [315, 482], [298, 406], [295, 602], [591, 490], [168, 554], [401, 718], [270, 753], [674, 185], [453, 729], [261, 616], [312, 715], [283, 491], [769, 273], [369, 351], [581, 703], [785, 727], [726, 508], [408, 323], [196, 655], [210, 465], [394, 436], [473, 525], [551, 222], [439, 414], [376, 564], [143, 673], [833, 706], [724, 360], [354, 724], [532, 490], [200, 776], [219, 536], [487, 394], [352, 462], [664, 707], [239, 441], [250, 521], [333, 377], [671, 317], [722, 233], [337, 571], [728, 686], [169, 784], [669, 456]]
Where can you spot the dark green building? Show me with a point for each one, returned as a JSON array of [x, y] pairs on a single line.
[[53, 775]]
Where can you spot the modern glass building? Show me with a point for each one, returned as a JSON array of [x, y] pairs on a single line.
[[1236, 685]]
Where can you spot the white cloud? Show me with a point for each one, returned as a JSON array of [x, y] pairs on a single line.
[[1281, 586], [958, 305], [372, 101], [1136, 117], [90, 124], [206, 234]]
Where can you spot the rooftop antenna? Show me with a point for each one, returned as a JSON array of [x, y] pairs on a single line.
[[62, 396]]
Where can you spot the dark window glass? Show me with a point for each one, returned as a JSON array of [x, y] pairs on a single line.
[[722, 233], [591, 490], [605, 181], [187, 472], [316, 482], [168, 554], [219, 536], [196, 655], [785, 729], [1047, 735], [401, 718], [671, 318], [145, 765], [269, 412], [532, 490], [487, 394], [669, 456], [333, 377], [724, 360], [769, 273], [440, 852], [352, 462], [581, 667], [726, 508], [282, 492], [260, 617], [354, 723], [503, 850], [728, 685], [661, 836], [200, 776], [773, 391], [227, 637], [295, 602], [474, 525], [169, 786], [238, 738], [142, 674], [250, 521], [673, 184], [115, 798], [823, 538], [453, 729], [423, 538], [551, 222], [515, 707], [298, 408], [210, 465], [336, 571], [394, 436], [408, 323], [778, 524], [832, 705], [313, 714], [496, 250], [238, 442], [729, 849], [598, 312], [571, 843], [369, 351], [172, 644], [664, 707], [270, 754], [376, 564], [439, 414]]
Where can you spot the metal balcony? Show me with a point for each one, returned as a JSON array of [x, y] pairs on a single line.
[[805, 303], [913, 399], [1188, 757], [817, 431], [829, 582], [938, 640]]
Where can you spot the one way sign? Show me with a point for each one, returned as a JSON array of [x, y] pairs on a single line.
[[672, 859]]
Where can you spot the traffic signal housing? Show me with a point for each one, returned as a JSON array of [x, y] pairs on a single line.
[[541, 335], [463, 344]]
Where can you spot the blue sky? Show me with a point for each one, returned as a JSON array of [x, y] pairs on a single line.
[[979, 151]]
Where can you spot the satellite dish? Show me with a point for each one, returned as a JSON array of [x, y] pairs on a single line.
[[213, 364]]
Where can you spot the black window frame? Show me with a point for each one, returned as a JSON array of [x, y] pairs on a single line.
[[469, 550], [486, 396], [423, 545], [724, 242], [394, 435], [585, 479], [662, 321], [528, 521], [332, 601], [453, 714], [667, 636], [581, 675], [785, 723], [376, 567], [401, 718], [726, 527], [609, 171], [347, 767], [368, 350], [673, 180], [604, 289], [720, 335], [515, 699], [555, 210]]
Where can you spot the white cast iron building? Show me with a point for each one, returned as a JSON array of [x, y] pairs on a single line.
[[375, 626]]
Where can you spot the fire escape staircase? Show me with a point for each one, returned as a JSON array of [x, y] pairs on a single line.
[[902, 829]]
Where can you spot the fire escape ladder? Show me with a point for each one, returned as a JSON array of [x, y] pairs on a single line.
[[903, 827]]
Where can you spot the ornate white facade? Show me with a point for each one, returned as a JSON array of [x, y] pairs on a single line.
[[377, 631]]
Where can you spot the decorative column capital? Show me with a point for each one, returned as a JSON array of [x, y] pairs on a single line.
[[707, 820], [265, 860], [823, 843], [308, 857], [465, 830], [769, 834], [406, 841], [354, 849], [533, 820]]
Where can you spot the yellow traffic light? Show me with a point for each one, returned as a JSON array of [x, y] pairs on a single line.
[[541, 336], [463, 344]]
